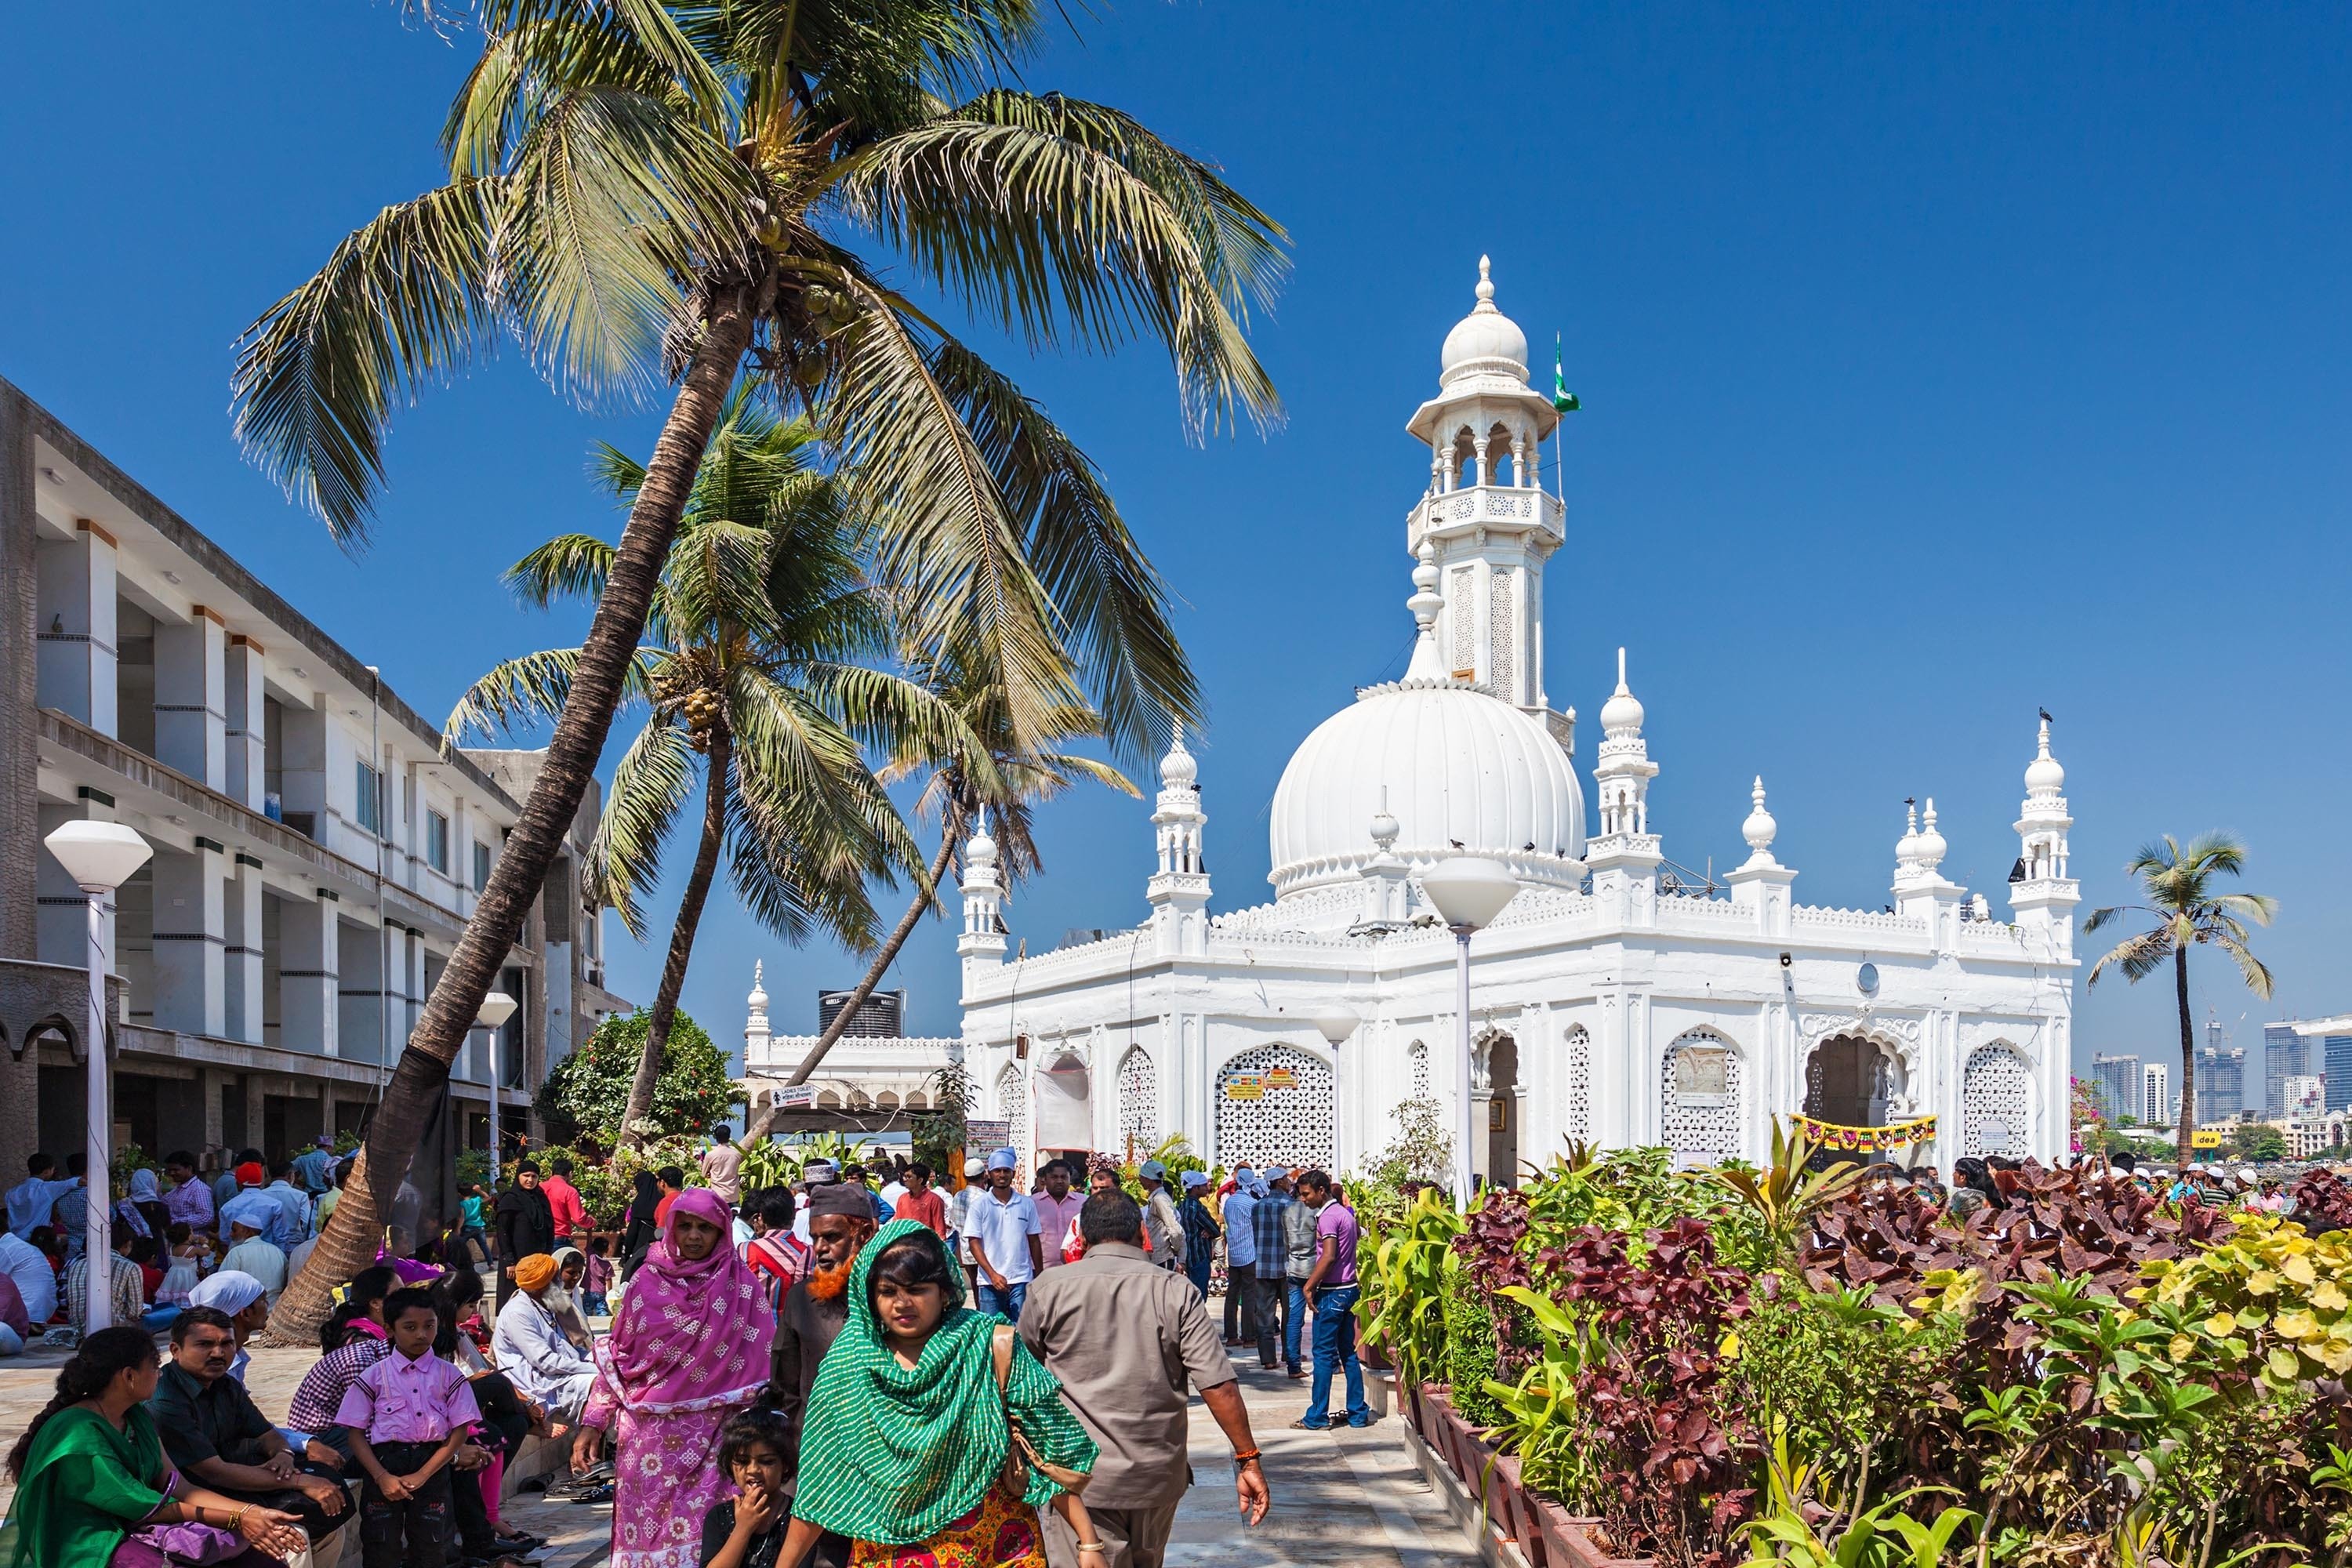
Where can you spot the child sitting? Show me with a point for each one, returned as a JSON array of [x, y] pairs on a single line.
[[407, 1414], [187, 1256]]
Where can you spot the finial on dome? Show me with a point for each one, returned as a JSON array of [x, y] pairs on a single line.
[[2043, 777], [1179, 768], [980, 849], [1621, 715], [1485, 285], [1384, 827], [1906, 849], [1930, 848], [1759, 827], [759, 996]]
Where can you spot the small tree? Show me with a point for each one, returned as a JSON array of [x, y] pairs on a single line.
[[1424, 1150], [940, 1131], [588, 1092]]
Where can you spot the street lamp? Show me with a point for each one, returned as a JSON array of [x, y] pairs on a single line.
[[497, 1008], [1468, 891], [1335, 1024], [99, 856]]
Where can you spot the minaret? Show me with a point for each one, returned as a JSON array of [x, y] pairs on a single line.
[[1623, 853], [1762, 883], [1485, 513], [1179, 890], [2040, 893], [981, 946], [755, 1023]]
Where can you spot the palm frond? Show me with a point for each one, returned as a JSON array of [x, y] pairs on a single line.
[[2259, 908], [650, 787], [532, 688], [569, 566], [2138, 957], [2256, 974], [405, 301]]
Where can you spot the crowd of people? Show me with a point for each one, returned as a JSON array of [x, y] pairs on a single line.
[[855, 1369]]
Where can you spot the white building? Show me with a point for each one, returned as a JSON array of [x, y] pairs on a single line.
[[1609, 1004], [317, 852], [2157, 1106]]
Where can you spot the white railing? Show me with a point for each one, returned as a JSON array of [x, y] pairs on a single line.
[[1815, 918], [1473, 504]]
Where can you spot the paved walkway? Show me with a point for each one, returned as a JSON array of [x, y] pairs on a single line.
[[1341, 1497]]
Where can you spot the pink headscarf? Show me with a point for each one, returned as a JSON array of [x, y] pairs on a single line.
[[691, 1335]]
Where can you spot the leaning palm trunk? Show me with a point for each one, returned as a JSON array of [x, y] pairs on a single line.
[[2183, 1134], [350, 1240], [637, 1119], [924, 896]]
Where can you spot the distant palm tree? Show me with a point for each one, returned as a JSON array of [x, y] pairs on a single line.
[[2177, 886], [1002, 775], [643, 195], [753, 662]]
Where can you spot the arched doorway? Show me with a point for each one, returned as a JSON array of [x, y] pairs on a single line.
[[1849, 1082], [1138, 1105], [1501, 1111], [1066, 1110], [1997, 1102]]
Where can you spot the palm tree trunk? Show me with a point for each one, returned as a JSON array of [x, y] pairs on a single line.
[[2187, 1054], [681, 941], [351, 1237], [924, 896]]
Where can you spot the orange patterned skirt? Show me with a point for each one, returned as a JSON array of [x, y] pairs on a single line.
[[1002, 1533]]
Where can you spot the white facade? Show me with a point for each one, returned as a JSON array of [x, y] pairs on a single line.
[[1607, 1005]]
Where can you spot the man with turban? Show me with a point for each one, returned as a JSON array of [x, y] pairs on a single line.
[[529, 1346], [245, 1220], [242, 1299], [811, 1317]]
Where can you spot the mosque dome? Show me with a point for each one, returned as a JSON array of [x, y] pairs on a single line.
[[1484, 343], [1448, 763]]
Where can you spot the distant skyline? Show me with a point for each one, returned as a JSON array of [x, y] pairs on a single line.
[[1937, 365]]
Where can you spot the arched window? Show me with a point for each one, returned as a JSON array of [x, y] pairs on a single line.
[[1996, 1102], [1139, 1102], [1579, 1054], [1274, 1107], [1700, 1119], [1418, 1055]]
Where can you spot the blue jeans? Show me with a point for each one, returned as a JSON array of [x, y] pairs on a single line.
[[1197, 1263], [1007, 1300], [1293, 1322], [1335, 1346]]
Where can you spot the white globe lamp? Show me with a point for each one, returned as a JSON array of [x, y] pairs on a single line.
[[496, 1009], [1335, 1024], [99, 856]]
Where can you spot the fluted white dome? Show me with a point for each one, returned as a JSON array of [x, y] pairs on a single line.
[[1456, 763], [1484, 343]]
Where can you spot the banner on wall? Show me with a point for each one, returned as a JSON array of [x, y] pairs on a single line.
[[1866, 1139]]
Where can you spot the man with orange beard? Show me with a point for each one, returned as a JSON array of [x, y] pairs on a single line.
[[840, 1221]]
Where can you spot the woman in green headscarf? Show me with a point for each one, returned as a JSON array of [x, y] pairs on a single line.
[[905, 1436], [93, 1486]]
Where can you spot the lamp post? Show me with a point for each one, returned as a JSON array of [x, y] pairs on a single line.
[[99, 856], [1468, 891], [497, 1008], [1335, 1024]]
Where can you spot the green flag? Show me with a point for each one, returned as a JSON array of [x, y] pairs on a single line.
[[1561, 398]]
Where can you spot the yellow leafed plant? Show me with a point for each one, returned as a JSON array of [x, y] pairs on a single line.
[[2270, 1298]]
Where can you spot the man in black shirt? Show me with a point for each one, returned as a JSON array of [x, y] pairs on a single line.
[[526, 1225], [215, 1436]]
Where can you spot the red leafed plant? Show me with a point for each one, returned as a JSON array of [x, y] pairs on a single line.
[[2323, 1192], [1672, 1453]]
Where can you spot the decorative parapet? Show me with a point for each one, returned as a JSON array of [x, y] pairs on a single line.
[[1813, 919], [1505, 506], [855, 1056]]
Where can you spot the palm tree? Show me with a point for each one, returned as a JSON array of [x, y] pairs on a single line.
[[761, 612], [2178, 885], [1009, 779], [643, 193]]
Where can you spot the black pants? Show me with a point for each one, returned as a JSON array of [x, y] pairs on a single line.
[[415, 1531], [316, 1521], [502, 1413], [1270, 1296], [1241, 1300]]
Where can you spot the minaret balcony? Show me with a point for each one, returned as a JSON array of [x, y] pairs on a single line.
[[1496, 508]]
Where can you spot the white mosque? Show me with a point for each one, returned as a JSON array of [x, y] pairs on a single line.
[[1610, 1001]]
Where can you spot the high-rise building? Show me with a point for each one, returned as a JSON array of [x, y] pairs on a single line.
[[2285, 1053], [2335, 1067], [2115, 1080], [2156, 1107], [2220, 1083], [2304, 1095]]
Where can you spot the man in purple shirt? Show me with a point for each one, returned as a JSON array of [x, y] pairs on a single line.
[[1330, 1292], [188, 1200]]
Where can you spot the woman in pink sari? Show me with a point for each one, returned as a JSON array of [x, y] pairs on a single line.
[[689, 1348]]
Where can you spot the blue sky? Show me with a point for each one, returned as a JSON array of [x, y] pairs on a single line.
[[1938, 363]]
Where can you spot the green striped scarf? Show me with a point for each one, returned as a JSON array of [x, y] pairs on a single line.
[[894, 1455]]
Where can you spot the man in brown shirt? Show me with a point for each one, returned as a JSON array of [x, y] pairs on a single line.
[[1125, 1337]]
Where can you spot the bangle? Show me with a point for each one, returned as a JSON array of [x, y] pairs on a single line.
[[1244, 1456], [1090, 1546]]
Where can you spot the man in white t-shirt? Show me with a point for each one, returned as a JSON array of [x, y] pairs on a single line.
[[1003, 1229]]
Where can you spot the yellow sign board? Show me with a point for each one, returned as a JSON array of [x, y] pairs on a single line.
[[2205, 1138], [1244, 1089], [1280, 1077]]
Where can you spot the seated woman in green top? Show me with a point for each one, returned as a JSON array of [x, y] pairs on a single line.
[[93, 1489]]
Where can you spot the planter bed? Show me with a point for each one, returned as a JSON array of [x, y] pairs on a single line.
[[1478, 1481]]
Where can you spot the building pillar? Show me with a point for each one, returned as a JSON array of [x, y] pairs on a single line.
[[256, 1117], [191, 687], [409, 1011], [73, 619], [308, 975], [243, 734], [191, 938], [210, 1081], [242, 955], [360, 993]]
